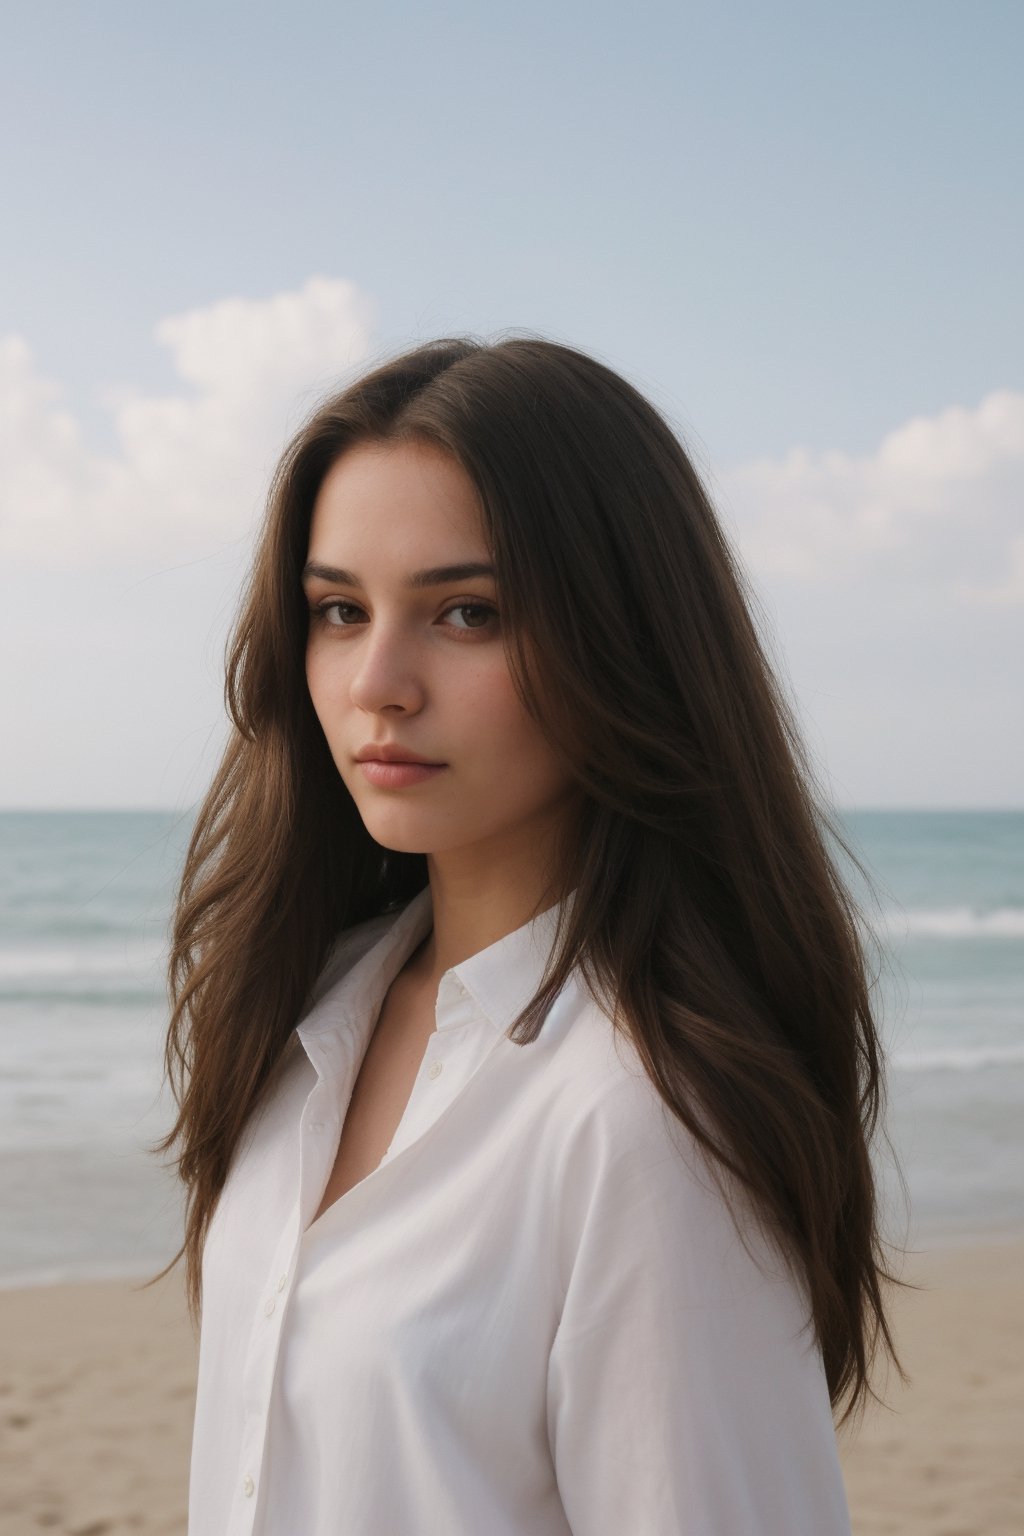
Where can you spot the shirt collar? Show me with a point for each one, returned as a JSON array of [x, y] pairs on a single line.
[[504, 977], [500, 979]]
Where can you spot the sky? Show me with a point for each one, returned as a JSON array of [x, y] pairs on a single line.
[[796, 228]]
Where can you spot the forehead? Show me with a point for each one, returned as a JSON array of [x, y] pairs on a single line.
[[377, 495]]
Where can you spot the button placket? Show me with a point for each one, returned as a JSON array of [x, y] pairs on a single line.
[[259, 1373], [251, 1458]]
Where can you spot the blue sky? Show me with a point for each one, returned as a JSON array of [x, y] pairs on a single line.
[[795, 227]]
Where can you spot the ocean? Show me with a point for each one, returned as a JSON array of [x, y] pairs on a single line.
[[84, 908]]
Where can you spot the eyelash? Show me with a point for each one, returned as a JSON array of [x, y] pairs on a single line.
[[319, 612]]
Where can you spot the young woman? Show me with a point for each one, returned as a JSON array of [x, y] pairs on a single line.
[[521, 1031]]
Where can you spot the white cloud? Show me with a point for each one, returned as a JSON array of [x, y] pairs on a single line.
[[191, 468], [894, 579], [43, 461], [939, 501]]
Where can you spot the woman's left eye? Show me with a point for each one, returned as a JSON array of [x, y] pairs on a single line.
[[483, 608]]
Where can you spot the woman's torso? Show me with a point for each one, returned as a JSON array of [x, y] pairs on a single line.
[[533, 1313]]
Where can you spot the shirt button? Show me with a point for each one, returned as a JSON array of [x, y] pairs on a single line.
[[282, 1282], [316, 1125], [271, 1304], [248, 1486], [435, 1070]]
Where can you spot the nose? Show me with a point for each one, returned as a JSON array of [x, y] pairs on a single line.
[[386, 674]]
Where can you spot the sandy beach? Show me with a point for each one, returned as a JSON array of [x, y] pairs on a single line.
[[97, 1388]]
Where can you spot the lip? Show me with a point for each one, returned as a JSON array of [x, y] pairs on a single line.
[[390, 752], [398, 775]]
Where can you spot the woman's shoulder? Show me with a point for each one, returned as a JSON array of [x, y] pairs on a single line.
[[613, 1095], [631, 1155], [613, 1125]]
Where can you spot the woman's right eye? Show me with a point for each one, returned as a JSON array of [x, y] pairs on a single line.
[[321, 610]]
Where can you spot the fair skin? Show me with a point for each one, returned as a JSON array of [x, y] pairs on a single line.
[[424, 667], [411, 666]]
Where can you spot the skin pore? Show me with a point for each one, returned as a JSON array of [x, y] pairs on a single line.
[[424, 667]]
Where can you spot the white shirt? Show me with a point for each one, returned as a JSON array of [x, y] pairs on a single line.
[[534, 1318]]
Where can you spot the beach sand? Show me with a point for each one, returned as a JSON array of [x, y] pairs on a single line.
[[97, 1385], [946, 1456]]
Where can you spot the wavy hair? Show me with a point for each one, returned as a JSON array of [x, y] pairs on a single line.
[[711, 905]]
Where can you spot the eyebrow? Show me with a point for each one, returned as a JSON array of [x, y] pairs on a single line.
[[433, 576]]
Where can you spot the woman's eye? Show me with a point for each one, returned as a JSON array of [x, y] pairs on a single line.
[[475, 608], [478, 615], [324, 609]]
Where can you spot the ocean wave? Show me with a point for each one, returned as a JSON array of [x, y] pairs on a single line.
[[25, 964], [124, 995], [960, 1058], [955, 922]]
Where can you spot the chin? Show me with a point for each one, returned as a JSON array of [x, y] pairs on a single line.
[[429, 836], [388, 834], [402, 844]]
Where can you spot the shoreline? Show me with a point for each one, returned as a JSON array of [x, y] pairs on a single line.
[[98, 1387], [936, 1240]]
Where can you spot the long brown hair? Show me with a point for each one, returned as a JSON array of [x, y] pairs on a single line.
[[711, 909]]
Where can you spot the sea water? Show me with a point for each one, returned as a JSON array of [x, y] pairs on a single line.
[[85, 901]]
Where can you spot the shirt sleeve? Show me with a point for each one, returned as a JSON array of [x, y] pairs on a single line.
[[686, 1395]]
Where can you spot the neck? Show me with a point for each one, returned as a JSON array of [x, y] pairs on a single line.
[[478, 896]]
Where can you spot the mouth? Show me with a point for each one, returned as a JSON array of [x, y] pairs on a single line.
[[392, 754], [396, 775]]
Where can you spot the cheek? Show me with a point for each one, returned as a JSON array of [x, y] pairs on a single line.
[[507, 737], [490, 700], [322, 685]]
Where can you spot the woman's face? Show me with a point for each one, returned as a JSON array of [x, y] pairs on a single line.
[[421, 665]]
